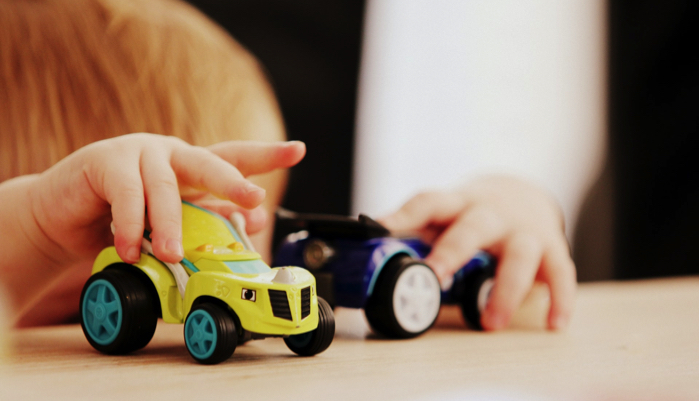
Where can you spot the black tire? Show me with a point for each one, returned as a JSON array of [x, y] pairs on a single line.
[[118, 310], [473, 285], [382, 312], [318, 340], [210, 333]]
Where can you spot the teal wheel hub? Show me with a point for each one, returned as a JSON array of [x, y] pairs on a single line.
[[200, 334], [102, 312]]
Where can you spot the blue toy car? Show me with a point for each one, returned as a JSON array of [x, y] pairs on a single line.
[[358, 264]]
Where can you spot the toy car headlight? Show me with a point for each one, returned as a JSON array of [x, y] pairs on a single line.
[[248, 295], [317, 253]]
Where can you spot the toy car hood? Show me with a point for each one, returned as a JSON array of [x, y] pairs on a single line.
[[275, 277]]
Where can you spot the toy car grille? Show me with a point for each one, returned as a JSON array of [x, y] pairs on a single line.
[[305, 302], [280, 304]]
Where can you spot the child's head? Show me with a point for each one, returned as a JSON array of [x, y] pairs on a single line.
[[73, 72]]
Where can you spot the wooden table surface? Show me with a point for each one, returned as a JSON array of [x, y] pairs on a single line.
[[632, 340]]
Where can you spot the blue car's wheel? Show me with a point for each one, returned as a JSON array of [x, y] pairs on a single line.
[[406, 299], [210, 333], [316, 341], [118, 312], [475, 290]]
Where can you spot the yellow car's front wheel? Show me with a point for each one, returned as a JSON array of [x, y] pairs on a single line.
[[210, 333], [316, 341]]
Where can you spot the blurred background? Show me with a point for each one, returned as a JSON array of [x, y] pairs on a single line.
[[450, 90], [594, 100]]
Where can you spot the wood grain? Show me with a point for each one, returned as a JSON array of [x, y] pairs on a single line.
[[632, 340]]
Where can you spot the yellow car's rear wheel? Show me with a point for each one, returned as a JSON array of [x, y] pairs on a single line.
[[118, 312]]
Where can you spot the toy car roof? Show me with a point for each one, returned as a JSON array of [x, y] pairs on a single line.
[[332, 226]]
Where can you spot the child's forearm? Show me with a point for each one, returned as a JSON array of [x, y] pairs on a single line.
[[28, 261]]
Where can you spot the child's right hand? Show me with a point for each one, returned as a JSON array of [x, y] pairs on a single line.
[[65, 212], [117, 179]]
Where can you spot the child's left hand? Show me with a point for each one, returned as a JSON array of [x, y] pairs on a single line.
[[515, 221]]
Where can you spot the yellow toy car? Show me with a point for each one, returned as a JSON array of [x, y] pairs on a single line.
[[222, 291]]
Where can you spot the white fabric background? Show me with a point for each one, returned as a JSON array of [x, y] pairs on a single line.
[[450, 89]]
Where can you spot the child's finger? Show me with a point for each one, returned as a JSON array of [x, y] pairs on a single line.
[[260, 157], [474, 230], [514, 276], [124, 191], [559, 272], [202, 169], [425, 209], [164, 206]]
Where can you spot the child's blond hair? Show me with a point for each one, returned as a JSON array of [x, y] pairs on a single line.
[[73, 72]]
